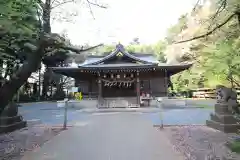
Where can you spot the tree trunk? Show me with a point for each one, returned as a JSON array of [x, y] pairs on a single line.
[[46, 82], [47, 29], [10, 88], [1, 72], [46, 17], [8, 69], [238, 16], [39, 83]]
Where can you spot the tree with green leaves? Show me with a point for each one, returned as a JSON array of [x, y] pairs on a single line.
[[224, 12], [222, 62], [33, 41], [213, 48]]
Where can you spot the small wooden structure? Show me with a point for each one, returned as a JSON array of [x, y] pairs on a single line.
[[210, 93], [122, 75]]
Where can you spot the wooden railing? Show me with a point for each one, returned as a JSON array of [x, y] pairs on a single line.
[[209, 93]]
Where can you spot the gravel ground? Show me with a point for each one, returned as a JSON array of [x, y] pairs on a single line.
[[200, 143], [13, 145]]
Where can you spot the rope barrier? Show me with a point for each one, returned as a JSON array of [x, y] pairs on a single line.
[[117, 82]]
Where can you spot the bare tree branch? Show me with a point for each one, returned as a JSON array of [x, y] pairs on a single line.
[[220, 9], [95, 4], [234, 81], [223, 4], [90, 4], [59, 4], [90, 8], [210, 32], [53, 2], [78, 50], [195, 7]]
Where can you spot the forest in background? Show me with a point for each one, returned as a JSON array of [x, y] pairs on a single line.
[[215, 56], [27, 42]]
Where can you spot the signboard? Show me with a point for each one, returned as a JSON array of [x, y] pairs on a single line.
[[74, 89]]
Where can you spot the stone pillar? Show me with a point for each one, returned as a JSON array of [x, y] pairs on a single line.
[[138, 89]]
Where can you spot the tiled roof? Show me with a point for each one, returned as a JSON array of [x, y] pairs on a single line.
[[144, 58]]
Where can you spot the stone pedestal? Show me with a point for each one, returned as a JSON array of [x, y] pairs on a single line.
[[10, 120], [223, 119]]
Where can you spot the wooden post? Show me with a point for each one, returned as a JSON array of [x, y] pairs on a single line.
[[90, 89], [99, 91], [166, 81], [138, 89], [39, 86], [150, 87], [161, 111], [65, 113]]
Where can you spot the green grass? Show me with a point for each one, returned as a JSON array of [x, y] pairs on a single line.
[[234, 146]]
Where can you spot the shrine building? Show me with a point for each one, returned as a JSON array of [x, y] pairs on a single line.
[[121, 74]]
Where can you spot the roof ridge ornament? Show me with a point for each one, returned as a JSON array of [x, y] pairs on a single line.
[[119, 54], [119, 46]]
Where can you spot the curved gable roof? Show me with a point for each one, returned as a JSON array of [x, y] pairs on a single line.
[[120, 49]]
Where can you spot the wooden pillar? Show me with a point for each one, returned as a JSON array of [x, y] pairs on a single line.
[[149, 87], [138, 88], [90, 89], [99, 90], [166, 82]]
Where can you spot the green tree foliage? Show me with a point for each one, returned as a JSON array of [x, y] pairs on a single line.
[[176, 29], [222, 62], [154, 49], [214, 48], [26, 38], [159, 49], [19, 29]]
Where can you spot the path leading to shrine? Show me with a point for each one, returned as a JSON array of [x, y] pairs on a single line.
[[108, 136], [49, 113]]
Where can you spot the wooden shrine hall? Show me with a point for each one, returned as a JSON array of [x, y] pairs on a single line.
[[121, 74]]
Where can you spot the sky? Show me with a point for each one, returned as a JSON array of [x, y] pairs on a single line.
[[122, 21]]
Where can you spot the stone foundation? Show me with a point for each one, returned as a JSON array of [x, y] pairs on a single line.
[[223, 119], [226, 128], [118, 102], [12, 125], [10, 121]]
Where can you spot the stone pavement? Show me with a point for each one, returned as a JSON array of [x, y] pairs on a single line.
[[108, 136]]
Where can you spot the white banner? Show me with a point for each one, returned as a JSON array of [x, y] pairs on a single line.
[[74, 89]]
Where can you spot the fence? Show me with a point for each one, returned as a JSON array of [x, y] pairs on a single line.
[[209, 93]]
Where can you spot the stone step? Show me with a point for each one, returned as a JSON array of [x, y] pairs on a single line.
[[226, 119], [12, 127], [120, 102], [226, 128], [10, 120]]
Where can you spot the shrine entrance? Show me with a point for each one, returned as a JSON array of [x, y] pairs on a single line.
[[118, 85], [119, 91], [121, 76]]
